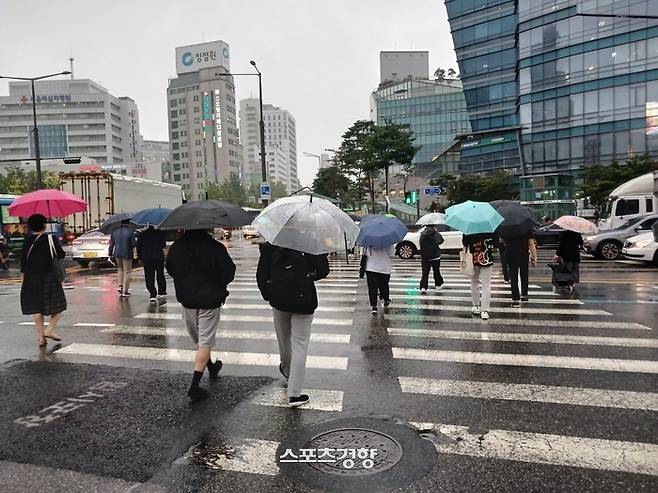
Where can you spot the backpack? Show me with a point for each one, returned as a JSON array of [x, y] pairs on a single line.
[[291, 290]]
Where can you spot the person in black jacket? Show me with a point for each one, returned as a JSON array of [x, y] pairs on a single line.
[[430, 257], [568, 253], [286, 279], [202, 269], [41, 292], [150, 250]]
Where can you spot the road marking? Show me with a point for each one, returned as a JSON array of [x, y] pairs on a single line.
[[243, 318], [252, 456], [528, 360], [262, 306], [414, 289], [543, 311], [263, 335], [437, 296], [27, 323], [461, 285], [319, 290], [541, 448], [320, 284], [518, 322], [92, 324], [227, 357], [320, 400], [256, 296], [573, 396]]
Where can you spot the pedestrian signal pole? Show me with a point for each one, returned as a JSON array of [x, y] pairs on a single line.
[[417, 204]]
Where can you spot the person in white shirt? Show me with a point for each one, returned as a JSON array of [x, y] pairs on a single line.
[[378, 274]]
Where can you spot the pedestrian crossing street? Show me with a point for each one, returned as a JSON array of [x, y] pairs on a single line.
[[529, 385]]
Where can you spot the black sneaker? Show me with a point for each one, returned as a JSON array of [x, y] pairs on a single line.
[[515, 304], [524, 298], [387, 302], [373, 310], [298, 401], [197, 394], [213, 369], [282, 372]]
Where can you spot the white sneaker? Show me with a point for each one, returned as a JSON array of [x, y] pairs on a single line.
[[423, 291], [438, 288], [152, 300], [475, 310], [484, 315]]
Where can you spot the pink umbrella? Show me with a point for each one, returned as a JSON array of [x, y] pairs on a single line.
[[50, 203], [577, 224]]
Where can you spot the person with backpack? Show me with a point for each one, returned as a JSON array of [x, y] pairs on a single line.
[[286, 279], [430, 257], [202, 269], [376, 266]]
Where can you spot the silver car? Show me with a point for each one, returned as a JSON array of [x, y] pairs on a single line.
[[90, 247], [609, 243]]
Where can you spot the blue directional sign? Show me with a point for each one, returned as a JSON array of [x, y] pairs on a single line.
[[432, 191], [265, 191]]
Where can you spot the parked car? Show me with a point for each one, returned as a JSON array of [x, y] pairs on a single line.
[[642, 247], [90, 247], [608, 244], [250, 231], [410, 244], [548, 236]]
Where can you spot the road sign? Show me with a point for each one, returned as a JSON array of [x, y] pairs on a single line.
[[432, 191], [265, 191]]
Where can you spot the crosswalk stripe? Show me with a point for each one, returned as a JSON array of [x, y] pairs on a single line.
[[518, 322], [92, 324], [451, 284], [532, 338], [256, 296], [320, 400], [446, 297], [320, 284], [228, 334], [242, 318], [541, 448], [528, 360], [502, 309], [319, 290], [414, 289], [251, 456], [227, 357], [263, 306], [573, 396]]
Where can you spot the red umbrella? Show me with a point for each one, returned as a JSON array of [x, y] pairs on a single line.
[[50, 203]]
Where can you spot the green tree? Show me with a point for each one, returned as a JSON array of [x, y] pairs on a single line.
[[331, 182], [599, 180], [16, 180], [278, 190], [482, 188], [231, 191]]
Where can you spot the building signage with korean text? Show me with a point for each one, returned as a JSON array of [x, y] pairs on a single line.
[[56, 98], [204, 55], [218, 119]]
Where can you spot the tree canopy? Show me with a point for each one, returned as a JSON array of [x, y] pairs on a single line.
[[481, 188], [16, 181]]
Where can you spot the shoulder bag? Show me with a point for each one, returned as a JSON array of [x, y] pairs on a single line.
[[58, 267], [466, 262]]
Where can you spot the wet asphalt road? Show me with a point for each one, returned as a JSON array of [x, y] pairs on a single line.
[[559, 395]]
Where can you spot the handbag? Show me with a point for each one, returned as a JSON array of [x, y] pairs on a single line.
[[362, 265], [58, 267], [466, 263]]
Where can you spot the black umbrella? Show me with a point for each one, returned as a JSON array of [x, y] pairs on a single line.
[[113, 222], [205, 214], [519, 220]]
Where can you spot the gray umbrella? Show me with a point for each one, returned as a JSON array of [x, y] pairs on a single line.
[[205, 214], [113, 222]]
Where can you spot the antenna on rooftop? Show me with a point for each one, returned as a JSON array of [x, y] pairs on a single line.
[[71, 63]]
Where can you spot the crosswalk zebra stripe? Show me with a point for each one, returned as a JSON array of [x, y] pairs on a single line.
[[518, 322], [92, 324], [531, 338], [251, 456], [503, 309], [449, 284], [450, 290], [446, 296], [319, 284], [262, 335], [227, 357], [573, 396], [263, 306], [528, 360], [243, 318], [319, 290], [558, 450], [320, 400], [256, 296]]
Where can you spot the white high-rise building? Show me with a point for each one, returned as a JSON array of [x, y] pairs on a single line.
[[203, 131], [280, 144], [76, 117]]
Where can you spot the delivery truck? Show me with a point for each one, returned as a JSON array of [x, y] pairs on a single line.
[[108, 193], [634, 198]]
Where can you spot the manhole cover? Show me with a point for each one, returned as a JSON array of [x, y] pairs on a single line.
[[354, 451]]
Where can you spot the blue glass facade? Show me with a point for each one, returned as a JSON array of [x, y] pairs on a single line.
[[52, 141]]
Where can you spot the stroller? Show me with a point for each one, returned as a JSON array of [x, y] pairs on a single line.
[[563, 278]]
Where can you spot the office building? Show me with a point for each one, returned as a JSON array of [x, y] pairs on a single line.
[[396, 66], [326, 160], [203, 131], [280, 140], [156, 158], [76, 117]]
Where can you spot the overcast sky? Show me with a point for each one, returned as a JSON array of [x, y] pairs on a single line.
[[319, 58]]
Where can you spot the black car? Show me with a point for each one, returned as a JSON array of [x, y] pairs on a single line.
[[548, 235]]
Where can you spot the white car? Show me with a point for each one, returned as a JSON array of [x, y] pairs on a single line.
[[250, 231], [410, 244], [90, 247], [641, 247]]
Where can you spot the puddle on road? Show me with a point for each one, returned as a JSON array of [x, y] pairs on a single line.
[[208, 455]]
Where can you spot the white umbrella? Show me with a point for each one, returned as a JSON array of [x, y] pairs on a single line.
[[307, 224], [431, 218], [577, 224]]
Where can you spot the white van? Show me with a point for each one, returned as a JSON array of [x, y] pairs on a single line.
[[635, 198]]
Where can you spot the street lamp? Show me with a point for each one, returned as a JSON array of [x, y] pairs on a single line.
[[37, 150], [310, 154], [263, 165]]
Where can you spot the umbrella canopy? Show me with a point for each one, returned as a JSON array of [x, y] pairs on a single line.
[[577, 224], [307, 224], [433, 218], [205, 214], [50, 203], [473, 217], [519, 220], [114, 221], [150, 217], [380, 232]]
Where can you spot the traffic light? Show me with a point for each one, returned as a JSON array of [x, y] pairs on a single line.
[[410, 198]]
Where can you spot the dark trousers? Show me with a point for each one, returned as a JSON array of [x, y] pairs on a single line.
[[377, 284], [435, 266], [518, 265], [151, 271], [504, 263]]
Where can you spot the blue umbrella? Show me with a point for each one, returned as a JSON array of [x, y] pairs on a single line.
[[115, 221], [473, 217], [380, 231], [150, 217]]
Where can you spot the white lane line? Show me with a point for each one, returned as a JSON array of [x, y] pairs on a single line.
[[518, 322], [320, 284], [243, 318], [573, 396], [228, 357], [414, 289], [321, 298], [252, 456], [262, 335], [502, 309], [27, 323], [445, 296], [92, 324], [532, 338], [527, 360], [449, 284], [320, 290], [321, 400], [263, 306], [541, 448]]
